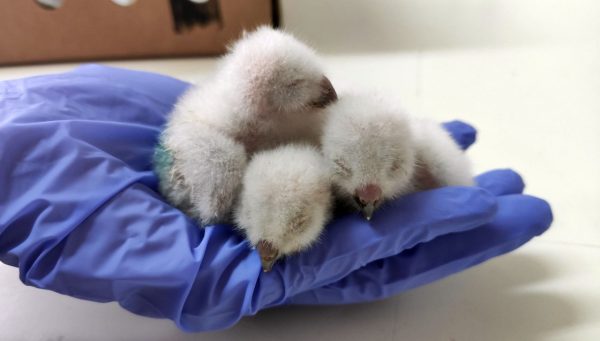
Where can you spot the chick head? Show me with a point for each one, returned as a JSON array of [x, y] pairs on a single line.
[[285, 201], [276, 73], [369, 145]]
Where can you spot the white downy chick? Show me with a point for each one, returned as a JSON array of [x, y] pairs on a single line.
[[269, 90], [285, 201], [377, 152]]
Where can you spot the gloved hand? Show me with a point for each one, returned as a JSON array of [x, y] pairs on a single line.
[[518, 219], [79, 215]]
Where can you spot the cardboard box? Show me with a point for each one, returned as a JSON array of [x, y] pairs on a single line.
[[102, 29]]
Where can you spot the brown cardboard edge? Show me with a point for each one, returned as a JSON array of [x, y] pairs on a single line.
[[275, 22], [175, 56]]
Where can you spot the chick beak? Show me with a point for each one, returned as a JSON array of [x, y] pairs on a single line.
[[327, 96], [367, 210], [268, 254], [367, 198]]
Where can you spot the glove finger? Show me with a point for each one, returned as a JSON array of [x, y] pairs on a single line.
[[501, 182], [519, 219], [350, 242], [463, 133]]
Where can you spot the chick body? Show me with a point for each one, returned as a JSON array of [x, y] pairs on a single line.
[[285, 201]]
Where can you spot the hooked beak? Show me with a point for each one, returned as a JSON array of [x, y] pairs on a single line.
[[366, 208], [328, 94], [367, 198], [268, 255]]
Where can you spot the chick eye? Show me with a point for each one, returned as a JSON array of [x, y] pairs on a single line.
[[341, 168], [396, 166], [295, 83]]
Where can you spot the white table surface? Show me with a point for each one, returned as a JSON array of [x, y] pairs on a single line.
[[526, 73]]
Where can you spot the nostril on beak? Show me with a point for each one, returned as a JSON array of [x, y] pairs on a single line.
[[327, 96], [359, 202]]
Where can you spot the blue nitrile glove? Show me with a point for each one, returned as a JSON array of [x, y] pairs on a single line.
[[79, 215], [518, 219]]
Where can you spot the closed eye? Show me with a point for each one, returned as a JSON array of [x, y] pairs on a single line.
[[295, 83], [396, 165], [341, 168]]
